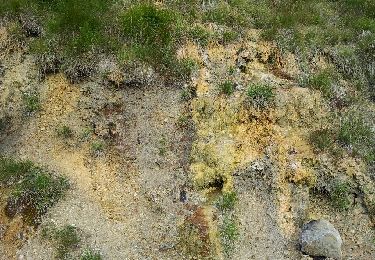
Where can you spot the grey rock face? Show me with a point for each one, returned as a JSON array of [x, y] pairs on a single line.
[[320, 238]]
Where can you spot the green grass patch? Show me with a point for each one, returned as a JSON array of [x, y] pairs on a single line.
[[150, 32], [66, 239], [200, 35], [260, 95], [64, 132], [97, 147], [33, 189], [227, 201], [322, 139], [31, 102], [357, 134], [339, 195], [90, 254], [228, 234], [227, 88], [322, 81]]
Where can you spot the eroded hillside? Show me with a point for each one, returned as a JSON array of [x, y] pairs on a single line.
[[222, 152]]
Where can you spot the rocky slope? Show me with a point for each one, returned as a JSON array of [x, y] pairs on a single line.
[[150, 160]]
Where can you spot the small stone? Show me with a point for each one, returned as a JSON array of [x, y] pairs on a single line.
[[320, 238]]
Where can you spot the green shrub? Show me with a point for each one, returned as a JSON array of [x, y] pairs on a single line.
[[260, 95], [227, 87], [340, 195], [67, 239], [89, 254], [64, 131], [31, 102]]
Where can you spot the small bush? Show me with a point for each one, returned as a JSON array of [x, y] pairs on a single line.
[[260, 96], [64, 132], [340, 195], [66, 239], [323, 82], [227, 88], [31, 102], [89, 254]]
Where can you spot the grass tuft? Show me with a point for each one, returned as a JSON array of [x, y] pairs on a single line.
[[340, 195], [64, 132], [260, 95], [66, 239], [90, 254], [227, 88], [31, 102]]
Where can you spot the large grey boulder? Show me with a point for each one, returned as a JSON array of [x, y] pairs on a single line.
[[320, 238]]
